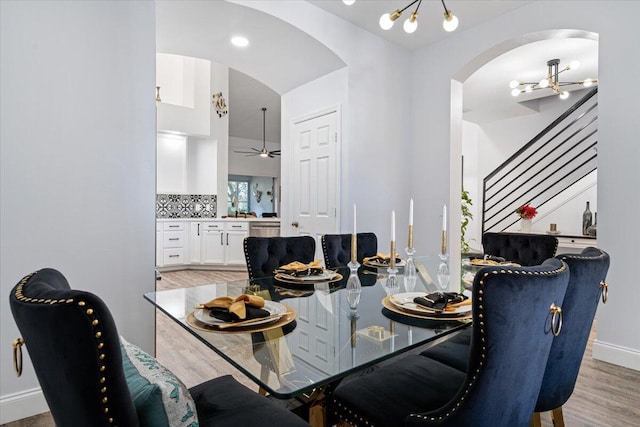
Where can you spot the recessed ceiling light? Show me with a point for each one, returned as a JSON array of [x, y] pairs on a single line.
[[239, 41]]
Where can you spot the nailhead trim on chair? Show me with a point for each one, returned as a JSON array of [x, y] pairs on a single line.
[[324, 250], [94, 322], [483, 352], [246, 257]]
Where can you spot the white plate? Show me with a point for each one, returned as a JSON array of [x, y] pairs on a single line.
[[405, 302], [375, 264], [272, 307], [326, 275]]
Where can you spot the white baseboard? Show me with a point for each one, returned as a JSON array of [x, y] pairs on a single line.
[[616, 354], [22, 405]]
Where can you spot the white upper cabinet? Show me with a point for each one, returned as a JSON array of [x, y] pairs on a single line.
[[185, 93], [186, 165]]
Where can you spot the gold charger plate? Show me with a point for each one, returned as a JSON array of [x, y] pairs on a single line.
[[386, 303], [286, 318], [289, 279]]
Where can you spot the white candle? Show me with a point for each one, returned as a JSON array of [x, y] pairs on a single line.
[[444, 218], [354, 218], [393, 226], [411, 212]]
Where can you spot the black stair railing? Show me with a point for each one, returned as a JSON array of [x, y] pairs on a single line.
[[559, 156]]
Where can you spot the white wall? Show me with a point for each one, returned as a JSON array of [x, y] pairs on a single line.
[[77, 160], [618, 129], [220, 133]]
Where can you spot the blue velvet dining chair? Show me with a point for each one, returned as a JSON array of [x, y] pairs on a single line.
[[336, 248], [586, 287], [525, 249], [515, 313], [265, 254], [90, 376]]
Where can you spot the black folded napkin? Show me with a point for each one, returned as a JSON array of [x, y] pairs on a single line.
[[226, 316], [439, 300]]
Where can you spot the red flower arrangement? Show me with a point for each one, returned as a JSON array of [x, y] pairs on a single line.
[[527, 212]]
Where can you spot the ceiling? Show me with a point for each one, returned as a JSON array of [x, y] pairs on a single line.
[[257, 74], [366, 14]]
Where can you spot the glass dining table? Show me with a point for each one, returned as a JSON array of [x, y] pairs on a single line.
[[320, 339]]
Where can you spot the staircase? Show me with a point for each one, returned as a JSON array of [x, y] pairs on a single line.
[[558, 157]]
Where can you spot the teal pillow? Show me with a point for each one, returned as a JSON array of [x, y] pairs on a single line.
[[160, 398]]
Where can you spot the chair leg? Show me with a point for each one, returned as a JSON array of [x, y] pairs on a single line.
[[264, 376], [535, 420], [557, 418]]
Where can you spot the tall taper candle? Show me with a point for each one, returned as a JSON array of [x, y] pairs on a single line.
[[410, 239], [354, 239], [392, 250], [393, 226], [444, 230], [354, 219]]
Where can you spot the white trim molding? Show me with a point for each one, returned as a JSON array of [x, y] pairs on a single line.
[[616, 354], [21, 405]]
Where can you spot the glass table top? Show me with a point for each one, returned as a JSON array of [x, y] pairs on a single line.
[[325, 341]]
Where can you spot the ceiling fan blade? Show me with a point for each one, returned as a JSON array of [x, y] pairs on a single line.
[[243, 152], [275, 151]]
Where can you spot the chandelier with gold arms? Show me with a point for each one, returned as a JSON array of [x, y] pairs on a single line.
[[450, 22], [552, 81]]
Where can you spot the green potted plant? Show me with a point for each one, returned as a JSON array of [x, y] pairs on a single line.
[[465, 205]]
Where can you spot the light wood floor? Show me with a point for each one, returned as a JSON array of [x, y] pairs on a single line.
[[605, 394]]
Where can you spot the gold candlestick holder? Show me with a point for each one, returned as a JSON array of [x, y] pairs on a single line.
[[410, 273], [354, 249]]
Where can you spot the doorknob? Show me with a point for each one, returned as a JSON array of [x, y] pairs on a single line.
[[295, 224]]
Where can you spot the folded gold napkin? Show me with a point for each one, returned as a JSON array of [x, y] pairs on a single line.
[[381, 258], [233, 309], [440, 301], [297, 268]]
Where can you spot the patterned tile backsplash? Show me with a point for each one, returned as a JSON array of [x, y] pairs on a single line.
[[186, 205]]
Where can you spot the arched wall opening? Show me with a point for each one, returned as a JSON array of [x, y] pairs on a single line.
[[494, 124]]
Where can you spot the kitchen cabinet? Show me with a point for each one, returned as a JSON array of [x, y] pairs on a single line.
[[173, 243], [218, 242], [235, 234]]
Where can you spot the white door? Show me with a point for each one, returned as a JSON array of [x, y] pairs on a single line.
[[314, 186]]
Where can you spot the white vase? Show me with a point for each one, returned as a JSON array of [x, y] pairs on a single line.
[[525, 225]]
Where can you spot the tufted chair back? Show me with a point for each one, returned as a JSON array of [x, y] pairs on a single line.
[[586, 285], [75, 350], [508, 354], [336, 248], [525, 249], [265, 254]]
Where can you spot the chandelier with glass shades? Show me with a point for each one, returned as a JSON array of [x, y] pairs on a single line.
[[450, 22], [552, 81]]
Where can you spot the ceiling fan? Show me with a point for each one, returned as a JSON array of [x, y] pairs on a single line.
[[264, 152]]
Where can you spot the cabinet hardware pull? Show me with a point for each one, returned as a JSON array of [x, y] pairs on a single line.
[[174, 238], [227, 239], [221, 241], [198, 229], [174, 226], [174, 256], [236, 226]]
